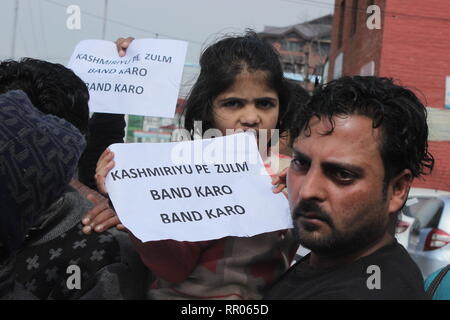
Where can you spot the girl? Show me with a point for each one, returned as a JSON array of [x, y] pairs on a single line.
[[240, 86]]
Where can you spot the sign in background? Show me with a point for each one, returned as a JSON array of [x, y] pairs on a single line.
[[144, 82], [438, 124], [195, 190]]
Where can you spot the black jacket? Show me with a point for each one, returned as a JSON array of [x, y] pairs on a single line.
[[109, 266], [104, 130], [388, 273]]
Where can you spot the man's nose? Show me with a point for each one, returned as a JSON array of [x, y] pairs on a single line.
[[313, 186]]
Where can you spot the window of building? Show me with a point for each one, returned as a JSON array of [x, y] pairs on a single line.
[[296, 46], [288, 67], [325, 48], [288, 45]]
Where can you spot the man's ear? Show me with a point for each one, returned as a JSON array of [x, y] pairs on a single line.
[[399, 189]]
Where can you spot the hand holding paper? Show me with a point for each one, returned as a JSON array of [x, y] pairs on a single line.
[[173, 191], [145, 81]]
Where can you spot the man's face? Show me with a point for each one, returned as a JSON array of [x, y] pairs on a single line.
[[335, 186]]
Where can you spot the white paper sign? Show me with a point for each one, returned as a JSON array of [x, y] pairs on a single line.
[[195, 190], [144, 82]]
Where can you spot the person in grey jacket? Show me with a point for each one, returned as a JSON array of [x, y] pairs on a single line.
[[43, 252]]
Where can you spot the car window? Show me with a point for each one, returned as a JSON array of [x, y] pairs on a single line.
[[427, 210]]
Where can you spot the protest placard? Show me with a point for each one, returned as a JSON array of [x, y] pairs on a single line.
[[146, 81], [212, 189]]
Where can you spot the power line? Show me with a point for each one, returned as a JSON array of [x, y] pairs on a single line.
[[33, 27], [21, 35], [105, 14], [127, 25], [44, 39], [310, 3], [14, 33]]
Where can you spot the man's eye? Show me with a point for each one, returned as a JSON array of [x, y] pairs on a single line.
[[343, 176], [299, 165]]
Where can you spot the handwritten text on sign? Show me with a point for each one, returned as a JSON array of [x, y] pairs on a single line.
[[157, 199], [144, 82]]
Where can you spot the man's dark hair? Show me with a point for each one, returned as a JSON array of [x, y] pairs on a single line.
[[394, 109], [52, 88], [220, 64]]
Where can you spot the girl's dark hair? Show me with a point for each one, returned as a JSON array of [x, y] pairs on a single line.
[[221, 63]]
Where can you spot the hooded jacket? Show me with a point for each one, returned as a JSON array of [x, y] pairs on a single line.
[[41, 240], [38, 156]]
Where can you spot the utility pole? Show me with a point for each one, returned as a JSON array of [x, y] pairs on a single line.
[[16, 15], [105, 13], [307, 63]]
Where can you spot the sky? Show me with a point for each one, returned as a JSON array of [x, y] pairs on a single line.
[[41, 30]]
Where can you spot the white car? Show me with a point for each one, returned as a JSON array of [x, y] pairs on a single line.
[[424, 228]]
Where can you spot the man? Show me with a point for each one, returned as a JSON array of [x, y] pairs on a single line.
[[55, 89], [41, 243], [357, 146], [110, 268], [51, 88], [38, 156]]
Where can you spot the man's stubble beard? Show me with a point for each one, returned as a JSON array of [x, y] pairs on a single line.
[[335, 243]]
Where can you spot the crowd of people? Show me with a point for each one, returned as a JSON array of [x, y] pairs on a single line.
[[357, 142]]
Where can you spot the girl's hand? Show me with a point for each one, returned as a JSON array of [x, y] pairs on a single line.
[[279, 181], [104, 164], [122, 45], [101, 217]]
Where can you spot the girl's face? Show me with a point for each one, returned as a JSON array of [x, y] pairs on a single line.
[[248, 104]]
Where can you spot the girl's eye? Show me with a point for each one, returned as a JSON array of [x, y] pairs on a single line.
[[232, 104], [265, 104]]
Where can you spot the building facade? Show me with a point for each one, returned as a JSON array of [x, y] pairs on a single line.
[[154, 129], [303, 48]]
